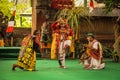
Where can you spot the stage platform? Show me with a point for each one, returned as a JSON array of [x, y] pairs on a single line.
[[49, 70], [11, 52]]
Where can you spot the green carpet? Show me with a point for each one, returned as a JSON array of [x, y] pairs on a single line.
[[48, 70]]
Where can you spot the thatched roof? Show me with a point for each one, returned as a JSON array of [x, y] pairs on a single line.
[[101, 12]]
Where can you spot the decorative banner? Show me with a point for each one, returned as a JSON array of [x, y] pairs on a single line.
[[61, 4], [91, 8], [10, 27], [11, 23]]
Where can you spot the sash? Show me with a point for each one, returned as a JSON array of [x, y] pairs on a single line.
[[93, 52]]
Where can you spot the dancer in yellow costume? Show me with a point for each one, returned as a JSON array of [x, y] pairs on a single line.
[[27, 54]]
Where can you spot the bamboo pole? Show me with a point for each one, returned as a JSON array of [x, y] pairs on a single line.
[[34, 15], [11, 41]]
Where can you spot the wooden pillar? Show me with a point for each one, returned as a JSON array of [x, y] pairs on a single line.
[[34, 16]]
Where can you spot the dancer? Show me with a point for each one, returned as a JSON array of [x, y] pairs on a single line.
[[27, 54], [64, 44], [93, 55], [62, 38]]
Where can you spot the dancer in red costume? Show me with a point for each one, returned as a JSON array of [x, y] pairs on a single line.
[[61, 41]]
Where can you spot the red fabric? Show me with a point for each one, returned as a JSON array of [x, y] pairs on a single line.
[[37, 40], [10, 29], [94, 53], [70, 32], [91, 4], [54, 25]]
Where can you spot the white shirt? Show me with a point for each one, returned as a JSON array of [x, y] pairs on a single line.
[[95, 45]]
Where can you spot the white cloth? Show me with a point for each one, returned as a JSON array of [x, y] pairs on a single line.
[[63, 44], [11, 23], [68, 42], [95, 45], [95, 63], [61, 55]]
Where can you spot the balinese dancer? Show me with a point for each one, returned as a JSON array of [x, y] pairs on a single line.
[[65, 43], [27, 54], [94, 54]]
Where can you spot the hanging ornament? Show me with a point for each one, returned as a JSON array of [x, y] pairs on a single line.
[[61, 4]]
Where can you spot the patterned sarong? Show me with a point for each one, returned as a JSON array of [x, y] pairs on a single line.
[[27, 56]]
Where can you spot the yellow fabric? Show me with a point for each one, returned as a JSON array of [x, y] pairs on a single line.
[[72, 47], [28, 60], [72, 44], [100, 47], [1, 43], [53, 46]]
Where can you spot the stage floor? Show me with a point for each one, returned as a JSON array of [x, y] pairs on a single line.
[[49, 70]]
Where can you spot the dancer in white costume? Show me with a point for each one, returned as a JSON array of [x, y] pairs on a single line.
[[64, 44], [94, 51]]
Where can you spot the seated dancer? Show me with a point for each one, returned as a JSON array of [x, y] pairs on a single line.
[[93, 54], [27, 53]]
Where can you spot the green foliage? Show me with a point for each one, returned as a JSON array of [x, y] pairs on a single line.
[[23, 6], [107, 52], [26, 21], [6, 7], [111, 4]]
